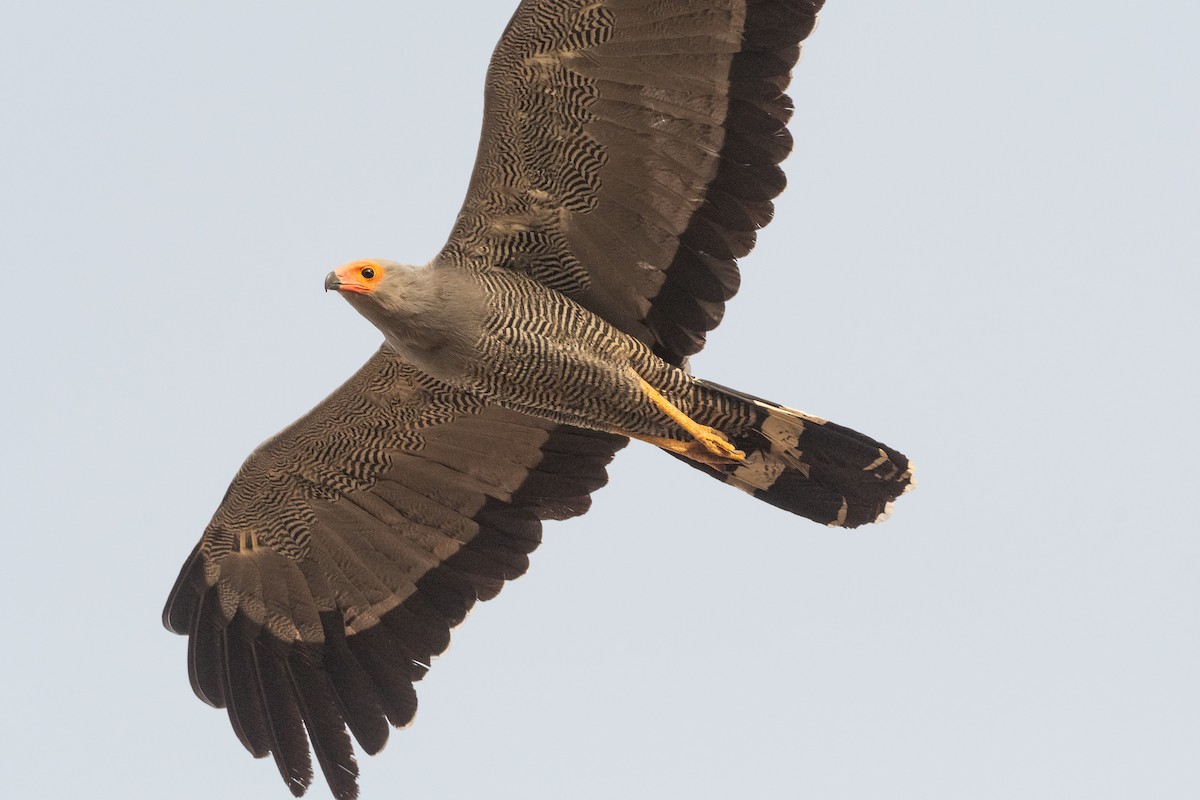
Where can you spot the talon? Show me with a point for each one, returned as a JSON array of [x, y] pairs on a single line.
[[714, 452], [708, 446], [715, 443]]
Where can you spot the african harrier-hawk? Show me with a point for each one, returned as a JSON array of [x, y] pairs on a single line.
[[630, 152]]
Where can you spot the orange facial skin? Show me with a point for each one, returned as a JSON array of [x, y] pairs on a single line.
[[360, 277]]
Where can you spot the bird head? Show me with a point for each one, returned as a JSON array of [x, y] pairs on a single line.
[[359, 277]]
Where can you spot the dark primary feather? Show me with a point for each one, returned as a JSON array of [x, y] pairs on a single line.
[[335, 568], [630, 152]]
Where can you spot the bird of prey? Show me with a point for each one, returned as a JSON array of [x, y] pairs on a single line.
[[630, 152]]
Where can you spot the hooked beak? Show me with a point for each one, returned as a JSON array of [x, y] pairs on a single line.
[[348, 278]]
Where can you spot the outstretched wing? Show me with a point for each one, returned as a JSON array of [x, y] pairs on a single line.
[[350, 544], [631, 150]]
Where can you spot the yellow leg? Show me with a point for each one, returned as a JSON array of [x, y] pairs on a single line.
[[709, 445], [693, 450]]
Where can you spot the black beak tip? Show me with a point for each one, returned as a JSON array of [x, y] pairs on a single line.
[[332, 282]]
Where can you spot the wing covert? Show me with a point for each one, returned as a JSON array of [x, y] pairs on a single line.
[[350, 544], [630, 151]]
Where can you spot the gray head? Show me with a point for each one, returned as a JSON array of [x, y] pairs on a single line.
[[430, 315], [386, 293], [363, 278]]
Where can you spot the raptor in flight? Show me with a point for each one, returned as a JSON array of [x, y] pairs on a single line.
[[630, 152]]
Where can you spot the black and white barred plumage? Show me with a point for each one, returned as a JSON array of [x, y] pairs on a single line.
[[630, 152], [536, 351]]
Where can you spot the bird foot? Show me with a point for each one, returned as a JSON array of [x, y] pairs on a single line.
[[711, 448], [707, 446], [715, 446]]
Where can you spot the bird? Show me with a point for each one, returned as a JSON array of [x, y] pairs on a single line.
[[629, 154]]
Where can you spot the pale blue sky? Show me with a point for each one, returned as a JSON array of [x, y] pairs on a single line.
[[987, 257]]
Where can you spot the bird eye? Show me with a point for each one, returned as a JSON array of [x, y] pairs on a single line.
[[368, 273]]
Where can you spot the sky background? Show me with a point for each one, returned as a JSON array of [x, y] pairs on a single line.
[[987, 257]]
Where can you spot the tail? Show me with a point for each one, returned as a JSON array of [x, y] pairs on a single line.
[[804, 464]]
